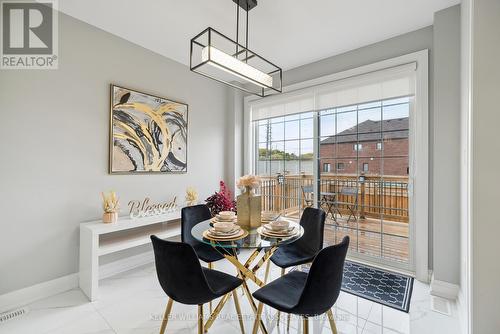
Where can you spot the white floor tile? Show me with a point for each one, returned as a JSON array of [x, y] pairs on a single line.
[[133, 303]]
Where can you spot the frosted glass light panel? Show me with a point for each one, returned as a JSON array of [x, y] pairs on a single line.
[[218, 57]]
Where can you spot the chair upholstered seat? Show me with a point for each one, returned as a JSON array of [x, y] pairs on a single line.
[[304, 249], [207, 253], [283, 293], [289, 256], [221, 283], [183, 278], [312, 293]]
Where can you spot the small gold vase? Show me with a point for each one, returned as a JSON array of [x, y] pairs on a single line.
[[249, 209], [109, 217]]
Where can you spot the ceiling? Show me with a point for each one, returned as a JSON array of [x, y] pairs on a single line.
[[287, 33]]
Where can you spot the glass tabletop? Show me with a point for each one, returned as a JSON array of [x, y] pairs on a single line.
[[252, 240]]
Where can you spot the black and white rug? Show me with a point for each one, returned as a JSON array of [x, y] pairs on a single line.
[[378, 285]]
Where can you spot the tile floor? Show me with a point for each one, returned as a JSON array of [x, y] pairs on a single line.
[[133, 302]]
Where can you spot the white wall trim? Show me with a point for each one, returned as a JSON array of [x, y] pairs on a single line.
[[444, 289], [419, 186], [62, 284], [38, 291]]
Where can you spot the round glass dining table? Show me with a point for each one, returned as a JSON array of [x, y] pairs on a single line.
[[251, 239]]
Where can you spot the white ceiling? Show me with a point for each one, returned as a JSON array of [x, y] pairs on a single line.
[[288, 33]]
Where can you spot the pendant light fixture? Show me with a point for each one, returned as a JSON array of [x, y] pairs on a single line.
[[218, 57]]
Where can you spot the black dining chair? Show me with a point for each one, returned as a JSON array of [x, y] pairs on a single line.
[[190, 216], [184, 280], [307, 294], [304, 249]]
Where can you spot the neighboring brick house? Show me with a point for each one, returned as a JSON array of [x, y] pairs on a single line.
[[366, 145]]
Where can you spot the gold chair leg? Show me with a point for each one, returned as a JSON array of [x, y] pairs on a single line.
[[238, 311], [216, 312], [305, 325], [166, 315], [329, 314], [210, 266], [279, 313], [257, 318], [200, 319], [266, 276]]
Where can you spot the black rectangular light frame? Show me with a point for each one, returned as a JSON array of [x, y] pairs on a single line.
[[276, 72]]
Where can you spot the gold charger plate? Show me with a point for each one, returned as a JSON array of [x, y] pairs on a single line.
[[240, 235], [264, 232], [215, 220]]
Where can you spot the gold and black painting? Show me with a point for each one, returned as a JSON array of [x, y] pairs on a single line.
[[148, 134]]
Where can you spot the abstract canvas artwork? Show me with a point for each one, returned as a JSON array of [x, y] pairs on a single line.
[[148, 133]]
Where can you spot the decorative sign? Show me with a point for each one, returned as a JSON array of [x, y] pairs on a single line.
[[144, 208]]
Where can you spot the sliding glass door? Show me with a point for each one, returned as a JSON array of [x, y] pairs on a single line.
[[363, 178], [361, 155], [345, 147], [285, 160]]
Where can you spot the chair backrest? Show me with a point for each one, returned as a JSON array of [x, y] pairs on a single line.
[[349, 191], [307, 191], [324, 280], [179, 272], [313, 222], [190, 216]]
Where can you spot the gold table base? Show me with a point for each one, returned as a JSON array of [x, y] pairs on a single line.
[[245, 273]]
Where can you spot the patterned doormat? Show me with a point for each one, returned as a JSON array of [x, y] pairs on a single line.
[[378, 285]]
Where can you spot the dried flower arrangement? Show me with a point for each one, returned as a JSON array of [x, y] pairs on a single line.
[[109, 202], [191, 196], [248, 182], [221, 200]]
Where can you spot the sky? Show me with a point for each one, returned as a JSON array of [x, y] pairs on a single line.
[[294, 133]]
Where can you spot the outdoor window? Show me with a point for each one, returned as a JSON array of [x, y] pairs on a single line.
[[357, 147], [326, 167], [379, 146], [340, 166], [365, 167]]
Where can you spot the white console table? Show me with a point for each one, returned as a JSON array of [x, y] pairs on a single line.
[[97, 239]]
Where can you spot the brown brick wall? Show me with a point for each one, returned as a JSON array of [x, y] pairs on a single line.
[[395, 153]]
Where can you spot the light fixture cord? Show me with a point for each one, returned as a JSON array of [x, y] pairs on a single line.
[[237, 27], [246, 41]]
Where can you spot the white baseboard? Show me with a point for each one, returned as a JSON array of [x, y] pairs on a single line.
[[46, 289], [42, 290], [444, 289], [125, 264]]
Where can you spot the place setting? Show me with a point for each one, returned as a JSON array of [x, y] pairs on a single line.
[[223, 227], [279, 227]]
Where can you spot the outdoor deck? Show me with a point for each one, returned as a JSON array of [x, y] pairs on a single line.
[[383, 230], [365, 235]]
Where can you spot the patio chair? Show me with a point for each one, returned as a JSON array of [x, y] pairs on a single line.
[[349, 192], [307, 196]]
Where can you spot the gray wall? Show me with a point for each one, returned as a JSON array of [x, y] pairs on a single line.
[[485, 159], [54, 145], [445, 146]]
